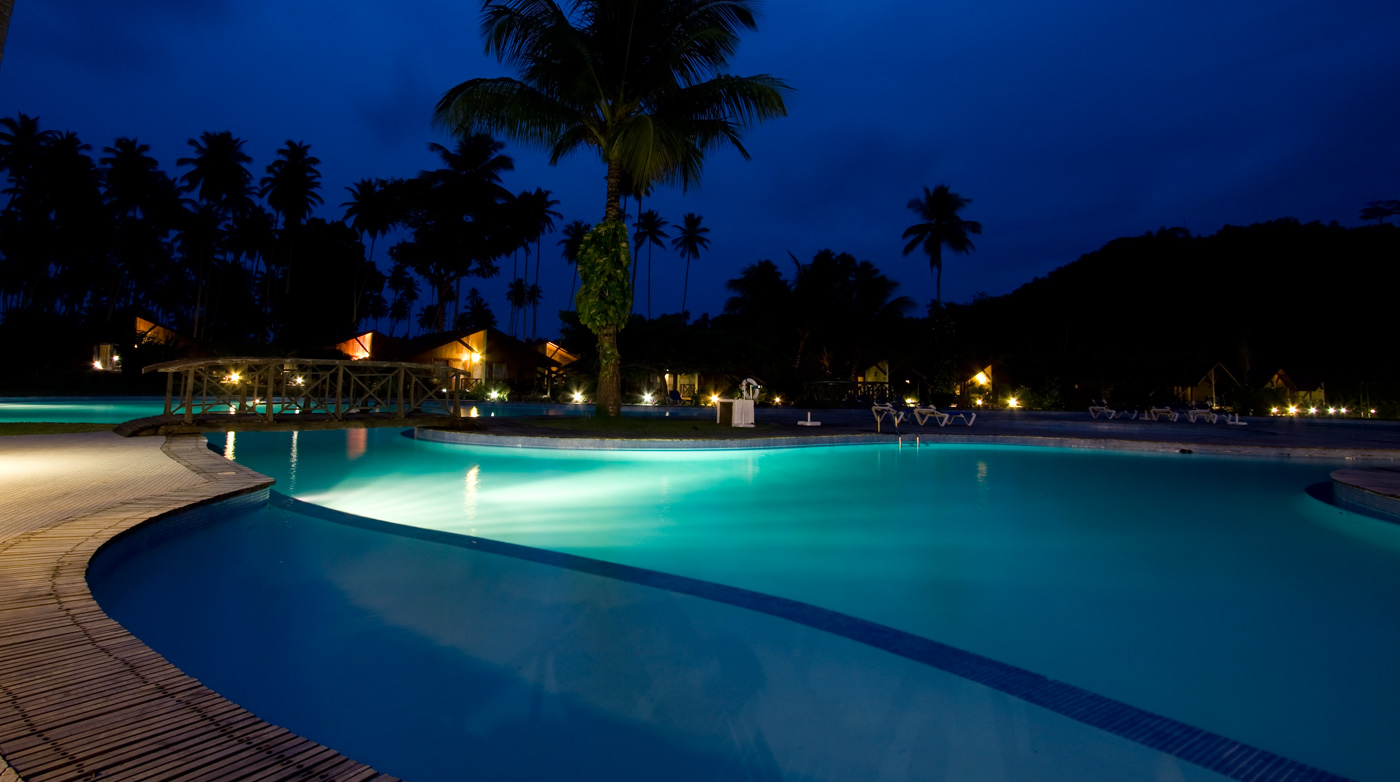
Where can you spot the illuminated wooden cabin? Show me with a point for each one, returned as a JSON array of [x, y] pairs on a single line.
[[492, 357], [1302, 391]]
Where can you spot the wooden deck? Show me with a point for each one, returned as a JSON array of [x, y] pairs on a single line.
[[80, 697]]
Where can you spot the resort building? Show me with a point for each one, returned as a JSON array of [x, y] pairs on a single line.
[[493, 357]]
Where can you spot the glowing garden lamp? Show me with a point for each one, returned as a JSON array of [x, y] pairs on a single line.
[[233, 377], [578, 396], [646, 398], [97, 365], [714, 399], [777, 400], [1292, 409], [1012, 402], [1312, 411], [495, 394], [979, 401], [1331, 411], [1344, 411]]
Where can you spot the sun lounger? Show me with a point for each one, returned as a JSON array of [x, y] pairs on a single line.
[[1197, 413], [881, 411], [1101, 408], [1156, 413], [923, 414]]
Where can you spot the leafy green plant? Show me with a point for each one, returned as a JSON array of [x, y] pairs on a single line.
[[604, 302]]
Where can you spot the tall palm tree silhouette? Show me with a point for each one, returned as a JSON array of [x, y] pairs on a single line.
[[533, 295], [539, 215], [573, 236], [291, 183], [939, 226], [518, 294], [651, 231], [219, 176], [641, 83], [689, 242], [370, 211]]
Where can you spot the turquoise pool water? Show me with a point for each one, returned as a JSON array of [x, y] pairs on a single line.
[[115, 410], [1214, 591], [94, 410]]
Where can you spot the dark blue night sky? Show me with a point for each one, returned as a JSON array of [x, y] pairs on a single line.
[[1068, 124]]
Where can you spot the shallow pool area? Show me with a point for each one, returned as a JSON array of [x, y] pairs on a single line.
[[94, 410], [1213, 591]]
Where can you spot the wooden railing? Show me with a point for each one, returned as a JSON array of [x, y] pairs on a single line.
[[275, 388]]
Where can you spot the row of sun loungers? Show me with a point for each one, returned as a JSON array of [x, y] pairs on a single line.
[[922, 415], [1194, 413]]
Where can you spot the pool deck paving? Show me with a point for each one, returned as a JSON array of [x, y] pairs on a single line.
[[80, 697]]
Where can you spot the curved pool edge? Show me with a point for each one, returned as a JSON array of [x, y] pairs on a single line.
[[1373, 492], [1199, 747], [81, 696], [909, 440], [451, 437]]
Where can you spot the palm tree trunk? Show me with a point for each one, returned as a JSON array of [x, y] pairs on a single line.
[[649, 281], [573, 285], [685, 288], [7, 7], [609, 398]]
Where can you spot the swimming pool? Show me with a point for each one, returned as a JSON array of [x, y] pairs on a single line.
[[1213, 591]]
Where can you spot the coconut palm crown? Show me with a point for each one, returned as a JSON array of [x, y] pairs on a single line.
[[641, 82], [939, 226]]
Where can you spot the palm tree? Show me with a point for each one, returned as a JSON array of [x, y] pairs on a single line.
[[7, 8], [533, 295], [291, 183], [689, 243], [370, 211], [642, 84], [518, 294], [940, 225], [219, 177], [573, 237], [538, 212], [651, 230]]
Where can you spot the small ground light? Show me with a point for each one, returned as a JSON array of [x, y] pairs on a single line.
[[1312, 411], [97, 365], [495, 394], [1344, 411], [1273, 411], [1292, 409], [1012, 402], [646, 398], [1373, 412], [714, 399], [233, 378], [578, 396], [1331, 411], [777, 400], [979, 403]]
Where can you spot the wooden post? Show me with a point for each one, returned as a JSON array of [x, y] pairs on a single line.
[[271, 376], [401, 407], [456, 395], [339, 381], [169, 390], [189, 395]]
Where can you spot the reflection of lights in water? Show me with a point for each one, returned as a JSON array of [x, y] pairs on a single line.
[[355, 443], [981, 472], [228, 447], [474, 413], [292, 477], [471, 485]]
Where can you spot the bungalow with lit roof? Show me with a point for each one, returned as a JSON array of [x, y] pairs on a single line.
[[493, 357]]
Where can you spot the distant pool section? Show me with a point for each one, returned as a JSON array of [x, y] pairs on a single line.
[[78, 409], [116, 410]]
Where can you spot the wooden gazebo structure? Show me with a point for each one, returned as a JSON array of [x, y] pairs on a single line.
[[273, 389]]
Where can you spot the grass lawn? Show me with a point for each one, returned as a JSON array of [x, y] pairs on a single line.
[[49, 427]]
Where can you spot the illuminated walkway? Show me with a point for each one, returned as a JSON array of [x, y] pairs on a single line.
[[81, 698]]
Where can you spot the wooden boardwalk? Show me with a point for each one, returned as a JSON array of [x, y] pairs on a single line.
[[80, 697]]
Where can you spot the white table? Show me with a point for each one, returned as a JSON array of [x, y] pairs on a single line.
[[734, 412]]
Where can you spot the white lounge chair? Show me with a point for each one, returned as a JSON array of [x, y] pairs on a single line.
[[880, 411], [1156, 413], [1102, 409], [923, 414]]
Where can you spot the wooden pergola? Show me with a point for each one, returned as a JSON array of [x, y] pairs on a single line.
[[275, 388]]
